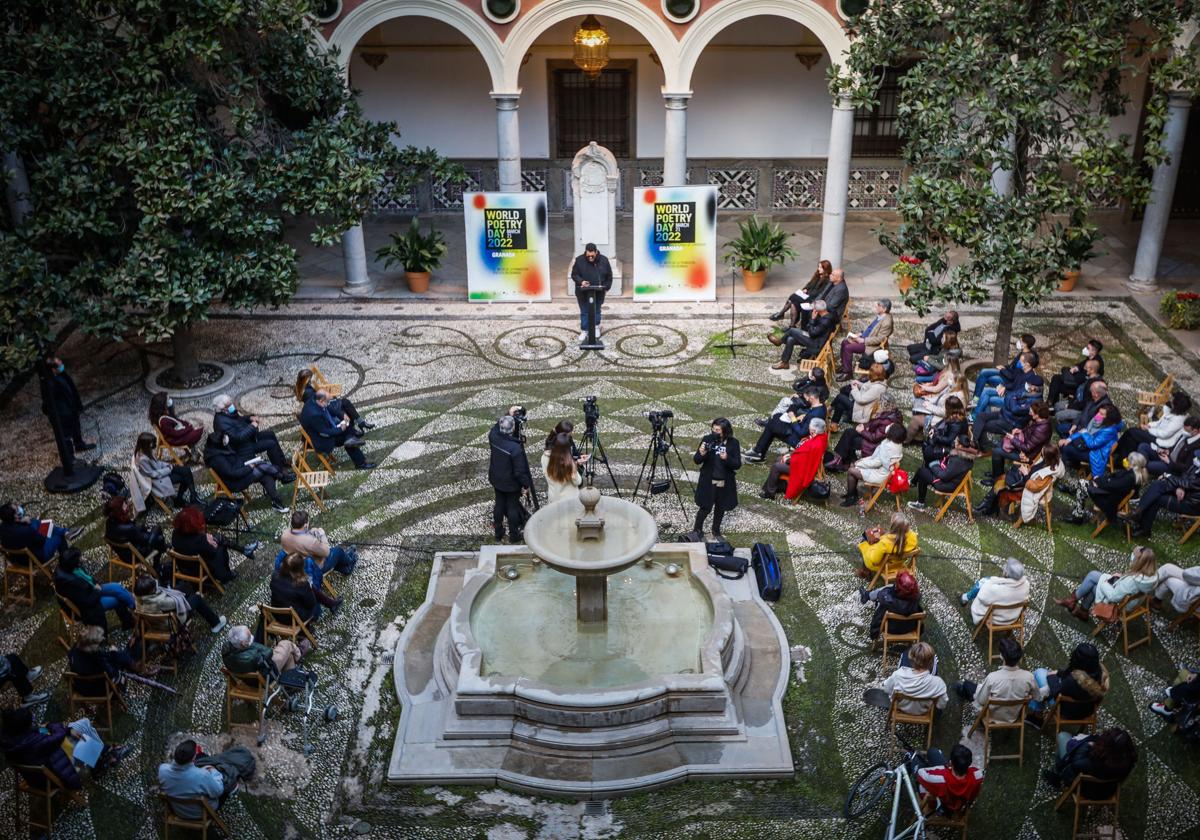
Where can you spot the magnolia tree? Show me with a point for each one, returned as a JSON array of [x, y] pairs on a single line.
[[1005, 114], [166, 143]]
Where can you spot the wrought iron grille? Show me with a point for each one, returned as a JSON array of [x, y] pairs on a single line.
[[593, 110], [876, 129]]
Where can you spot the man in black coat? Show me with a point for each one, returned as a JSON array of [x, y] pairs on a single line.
[[508, 473], [18, 531], [231, 467], [1070, 378], [592, 275], [60, 397], [327, 434], [246, 439], [932, 343], [1177, 461], [821, 326]]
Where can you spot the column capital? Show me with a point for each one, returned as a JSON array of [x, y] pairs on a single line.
[[842, 102], [676, 100], [506, 100], [1179, 99]]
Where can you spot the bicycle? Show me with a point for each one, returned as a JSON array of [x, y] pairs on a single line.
[[876, 781]]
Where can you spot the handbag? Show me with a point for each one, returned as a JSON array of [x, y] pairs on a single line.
[[819, 490], [898, 481], [1105, 612]]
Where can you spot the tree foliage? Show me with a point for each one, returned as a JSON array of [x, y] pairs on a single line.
[[167, 143], [1029, 87]]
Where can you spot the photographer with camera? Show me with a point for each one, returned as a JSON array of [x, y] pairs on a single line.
[[720, 457], [508, 473]]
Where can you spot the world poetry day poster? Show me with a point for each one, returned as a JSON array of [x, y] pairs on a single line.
[[508, 247], [675, 243]]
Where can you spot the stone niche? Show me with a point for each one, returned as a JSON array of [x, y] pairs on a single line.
[[594, 183]]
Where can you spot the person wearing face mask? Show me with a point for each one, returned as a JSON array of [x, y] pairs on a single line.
[[720, 457], [1178, 458], [993, 396], [1070, 378], [1176, 493], [1012, 414], [935, 334], [60, 398], [993, 376], [1070, 404], [1069, 422], [177, 432], [1161, 433], [246, 439]]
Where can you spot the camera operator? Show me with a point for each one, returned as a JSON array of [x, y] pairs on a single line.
[[720, 457], [508, 473]]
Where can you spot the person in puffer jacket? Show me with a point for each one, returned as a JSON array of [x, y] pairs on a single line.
[[1095, 442], [1010, 588]]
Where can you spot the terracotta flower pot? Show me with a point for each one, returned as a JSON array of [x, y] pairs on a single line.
[[903, 282], [1070, 278], [418, 281], [753, 280]]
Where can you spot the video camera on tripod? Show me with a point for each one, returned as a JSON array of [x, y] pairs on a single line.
[[591, 413], [591, 446], [661, 475]]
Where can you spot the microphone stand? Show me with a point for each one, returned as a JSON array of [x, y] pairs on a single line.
[[732, 345]]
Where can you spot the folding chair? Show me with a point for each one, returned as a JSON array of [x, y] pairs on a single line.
[[43, 786], [897, 716], [161, 628], [889, 638], [1131, 608], [124, 556], [1151, 401], [1076, 795], [27, 569], [307, 446], [247, 688], [103, 695], [823, 359], [1102, 520], [1046, 499], [163, 506], [69, 614], [1193, 611], [223, 490], [1016, 626], [320, 383], [893, 565], [282, 622], [1195, 520], [162, 446], [879, 488], [199, 580], [314, 481], [1089, 722], [963, 491], [986, 719], [936, 820], [208, 817]]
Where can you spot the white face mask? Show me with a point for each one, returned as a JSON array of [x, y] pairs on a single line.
[[170, 403], [1020, 345]]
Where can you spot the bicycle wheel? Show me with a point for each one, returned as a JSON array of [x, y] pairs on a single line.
[[868, 790]]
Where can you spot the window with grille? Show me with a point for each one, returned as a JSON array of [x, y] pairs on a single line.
[[876, 129], [585, 109]]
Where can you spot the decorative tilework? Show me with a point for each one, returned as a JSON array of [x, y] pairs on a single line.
[[737, 189], [533, 180], [650, 176], [798, 189], [874, 188], [447, 195], [391, 197]]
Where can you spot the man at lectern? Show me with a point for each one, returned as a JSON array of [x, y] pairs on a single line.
[[592, 276]]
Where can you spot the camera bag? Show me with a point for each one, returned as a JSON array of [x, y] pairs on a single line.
[[767, 571], [725, 563], [720, 546]]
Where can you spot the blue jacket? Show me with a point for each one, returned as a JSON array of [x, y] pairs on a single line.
[[1099, 444], [800, 427], [325, 435], [1016, 405]]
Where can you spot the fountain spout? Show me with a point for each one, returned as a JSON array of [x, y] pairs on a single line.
[[590, 526]]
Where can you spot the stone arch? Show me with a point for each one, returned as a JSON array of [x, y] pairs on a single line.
[[631, 12], [364, 18], [805, 12]]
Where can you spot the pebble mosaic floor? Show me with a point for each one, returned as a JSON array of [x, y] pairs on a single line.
[[433, 379]]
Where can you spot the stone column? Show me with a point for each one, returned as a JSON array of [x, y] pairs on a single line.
[[508, 141], [1162, 192], [354, 257], [675, 139], [837, 182]]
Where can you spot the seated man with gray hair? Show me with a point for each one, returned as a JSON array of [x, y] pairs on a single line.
[[242, 655], [246, 439], [1010, 589], [869, 340], [811, 340]]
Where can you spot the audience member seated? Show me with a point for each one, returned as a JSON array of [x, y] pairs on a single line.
[[41, 536], [1078, 689], [62, 749], [120, 527], [934, 335], [1010, 588], [91, 599], [1176, 460], [178, 433], [1024, 484], [864, 437], [813, 289], [928, 366], [559, 465], [811, 340], [14, 670], [1067, 407], [159, 600], [836, 297], [328, 432], [947, 434], [290, 587], [239, 474], [1099, 587], [1107, 491], [1109, 757], [1070, 378], [991, 377], [1021, 444], [1008, 682], [315, 578], [903, 597], [242, 655], [929, 399], [794, 473], [245, 438], [790, 428], [1184, 691], [916, 677], [992, 396], [149, 475], [878, 547], [1094, 442], [795, 402], [952, 786], [88, 657], [189, 537], [858, 398], [869, 340], [876, 467], [943, 475], [1178, 494], [1161, 433], [1181, 585], [1013, 414], [339, 407], [191, 774], [1069, 422]]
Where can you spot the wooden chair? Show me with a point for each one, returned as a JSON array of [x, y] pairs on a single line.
[[162, 446], [1090, 722], [1102, 520], [247, 688], [1184, 518], [935, 820], [878, 491], [204, 577], [307, 447], [68, 613], [893, 565], [1131, 608], [823, 359], [314, 481], [1151, 401], [221, 489], [97, 690], [117, 559], [963, 491], [897, 716], [320, 383], [1016, 627], [986, 719], [43, 787], [1045, 502], [208, 817], [889, 638], [282, 622], [1076, 795], [26, 570], [160, 628], [1193, 611]]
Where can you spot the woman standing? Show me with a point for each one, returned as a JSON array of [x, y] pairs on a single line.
[[720, 457], [562, 473]]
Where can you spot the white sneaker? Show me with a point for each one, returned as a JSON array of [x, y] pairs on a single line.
[[220, 625], [582, 336]]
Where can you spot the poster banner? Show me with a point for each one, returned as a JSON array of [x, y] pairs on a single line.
[[675, 243], [508, 246]]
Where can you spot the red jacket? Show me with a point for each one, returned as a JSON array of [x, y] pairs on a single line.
[[802, 466], [953, 793]]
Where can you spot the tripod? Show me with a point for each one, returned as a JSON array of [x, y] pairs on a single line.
[[732, 345], [662, 442], [593, 447]]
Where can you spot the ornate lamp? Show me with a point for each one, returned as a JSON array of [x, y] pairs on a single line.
[[591, 47]]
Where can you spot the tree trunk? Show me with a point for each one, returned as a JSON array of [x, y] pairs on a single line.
[[1008, 310], [187, 367]]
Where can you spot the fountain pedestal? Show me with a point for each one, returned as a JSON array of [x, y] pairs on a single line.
[[591, 599]]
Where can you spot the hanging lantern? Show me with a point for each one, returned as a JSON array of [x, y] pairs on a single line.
[[591, 47]]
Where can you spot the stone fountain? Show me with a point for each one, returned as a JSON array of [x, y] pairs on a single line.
[[661, 671]]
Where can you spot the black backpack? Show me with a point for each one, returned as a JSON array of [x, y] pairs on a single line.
[[220, 513], [113, 485]]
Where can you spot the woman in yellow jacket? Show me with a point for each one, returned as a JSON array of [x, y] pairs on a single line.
[[879, 546]]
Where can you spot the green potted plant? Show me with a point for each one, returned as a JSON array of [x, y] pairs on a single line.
[[1077, 244], [906, 270], [1181, 309], [757, 247], [419, 253]]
